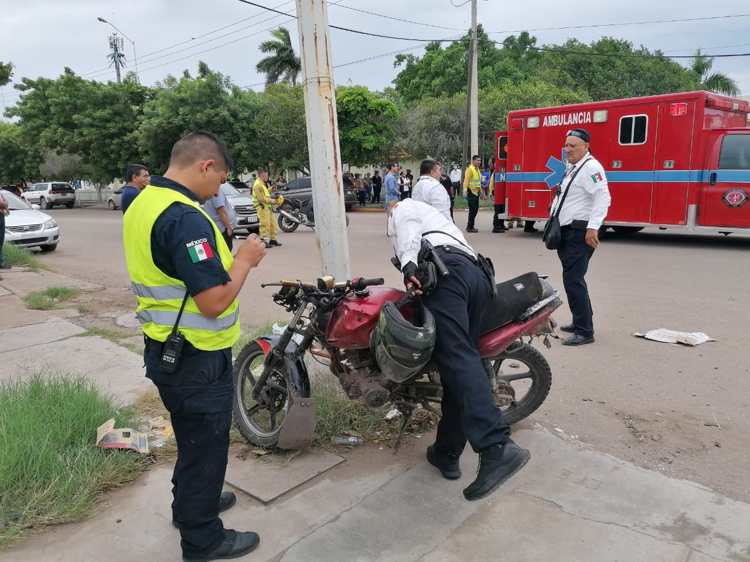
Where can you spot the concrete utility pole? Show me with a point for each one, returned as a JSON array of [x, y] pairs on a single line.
[[323, 138], [116, 44], [474, 89]]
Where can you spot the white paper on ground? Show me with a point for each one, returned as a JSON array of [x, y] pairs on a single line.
[[672, 336]]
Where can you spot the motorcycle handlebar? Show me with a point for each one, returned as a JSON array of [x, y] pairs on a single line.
[[364, 282]]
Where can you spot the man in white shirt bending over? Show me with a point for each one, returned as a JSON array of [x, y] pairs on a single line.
[[429, 189]]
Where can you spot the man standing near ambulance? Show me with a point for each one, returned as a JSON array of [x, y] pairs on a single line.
[[584, 196], [186, 282]]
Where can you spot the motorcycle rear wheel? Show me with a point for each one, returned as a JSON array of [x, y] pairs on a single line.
[[534, 380], [286, 224], [258, 424]]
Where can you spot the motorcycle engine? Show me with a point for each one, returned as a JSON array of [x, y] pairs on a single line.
[[361, 380]]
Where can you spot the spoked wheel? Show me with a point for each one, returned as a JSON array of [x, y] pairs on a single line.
[[522, 379], [286, 224], [259, 423]]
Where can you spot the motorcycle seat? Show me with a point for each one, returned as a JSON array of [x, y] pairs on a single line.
[[513, 298]]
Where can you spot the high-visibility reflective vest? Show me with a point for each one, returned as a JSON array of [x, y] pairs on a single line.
[[261, 194], [159, 295], [473, 180]]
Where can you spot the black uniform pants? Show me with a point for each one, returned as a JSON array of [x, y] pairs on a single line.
[[497, 222], [574, 255], [473, 201], [376, 193], [199, 399], [468, 407], [2, 237]]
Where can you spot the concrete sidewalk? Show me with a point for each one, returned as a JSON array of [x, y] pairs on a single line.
[[570, 504]]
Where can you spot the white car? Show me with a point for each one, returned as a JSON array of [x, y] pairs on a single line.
[[27, 227], [50, 193], [245, 215]]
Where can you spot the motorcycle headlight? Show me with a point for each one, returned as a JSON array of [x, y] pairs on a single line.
[[50, 224]]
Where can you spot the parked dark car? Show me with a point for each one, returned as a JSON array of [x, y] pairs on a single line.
[[301, 189]]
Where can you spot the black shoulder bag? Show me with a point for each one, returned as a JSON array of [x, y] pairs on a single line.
[[552, 236]]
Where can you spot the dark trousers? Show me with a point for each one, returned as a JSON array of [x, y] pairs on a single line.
[[497, 222], [473, 201], [574, 255], [376, 193], [199, 399], [2, 237], [227, 239], [468, 407]]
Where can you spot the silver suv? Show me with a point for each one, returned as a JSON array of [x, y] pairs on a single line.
[[50, 193]]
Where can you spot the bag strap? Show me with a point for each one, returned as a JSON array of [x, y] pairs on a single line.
[[179, 314], [567, 189], [450, 236]]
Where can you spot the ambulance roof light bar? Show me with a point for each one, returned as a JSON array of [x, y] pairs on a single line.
[[727, 104]]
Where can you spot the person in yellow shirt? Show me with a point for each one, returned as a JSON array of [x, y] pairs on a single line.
[[473, 189], [264, 202]]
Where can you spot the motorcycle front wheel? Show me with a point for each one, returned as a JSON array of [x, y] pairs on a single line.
[[521, 382], [286, 224], [259, 424]]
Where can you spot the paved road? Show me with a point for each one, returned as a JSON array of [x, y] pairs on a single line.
[[682, 411]]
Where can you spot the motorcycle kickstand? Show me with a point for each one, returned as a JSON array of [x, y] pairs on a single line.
[[408, 415]]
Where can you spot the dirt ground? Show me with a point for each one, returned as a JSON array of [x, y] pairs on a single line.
[[682, 411]]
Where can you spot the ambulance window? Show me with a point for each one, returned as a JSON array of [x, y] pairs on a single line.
[[502, 154], [633, 129], [735, 153]]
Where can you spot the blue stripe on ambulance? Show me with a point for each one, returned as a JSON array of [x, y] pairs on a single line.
[[646, 176]]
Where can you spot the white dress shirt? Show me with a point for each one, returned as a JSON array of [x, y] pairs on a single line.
[[431, 191], [589, 197], [410, 219]]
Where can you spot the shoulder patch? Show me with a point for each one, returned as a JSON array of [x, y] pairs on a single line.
[[597, 177], [199, 250]]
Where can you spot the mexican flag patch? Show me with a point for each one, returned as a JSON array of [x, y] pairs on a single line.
[[199, 250], [597, 177]]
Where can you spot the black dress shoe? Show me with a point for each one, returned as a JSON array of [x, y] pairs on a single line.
[[578, 339], [275, 243], [498, 230], [496, 465], [569, 328], [235, 545], [226, 500], [472, 230], [447, 464]]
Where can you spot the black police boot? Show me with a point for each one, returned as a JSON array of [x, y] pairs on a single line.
[[578, 339], [496, 465], [235, 545], [226, 500], [446, 464], [569, 328], [275, 243]]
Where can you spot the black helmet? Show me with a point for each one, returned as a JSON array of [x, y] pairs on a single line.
[[402, 348]]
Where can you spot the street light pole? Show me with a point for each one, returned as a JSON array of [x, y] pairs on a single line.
[[132, 43], [474, 89], [323, 138]]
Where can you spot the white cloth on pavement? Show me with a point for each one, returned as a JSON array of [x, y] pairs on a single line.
[[409, 220], [431, 191]]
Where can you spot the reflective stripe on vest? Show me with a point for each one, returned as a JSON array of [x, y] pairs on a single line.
[[475, 181], [188, 320], [159, 295]]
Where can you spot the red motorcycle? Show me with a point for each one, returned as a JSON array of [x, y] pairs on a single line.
[[273, 404]]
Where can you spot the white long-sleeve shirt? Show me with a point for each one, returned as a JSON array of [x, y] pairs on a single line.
[[431, 191], [589, 197], [407, 224]]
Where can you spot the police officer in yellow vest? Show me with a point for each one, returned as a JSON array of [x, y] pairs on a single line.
[[186, 282], [264, 203], [473, 189]]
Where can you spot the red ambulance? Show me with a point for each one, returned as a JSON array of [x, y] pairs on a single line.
[[675, 161]]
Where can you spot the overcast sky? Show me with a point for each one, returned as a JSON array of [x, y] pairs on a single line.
[[41, 37]]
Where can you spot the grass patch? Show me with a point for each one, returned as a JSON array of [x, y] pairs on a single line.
[[107, 333], [20, 257], [50, 298], [461, 203], [50, 470]]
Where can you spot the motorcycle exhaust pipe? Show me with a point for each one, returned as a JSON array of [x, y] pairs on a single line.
[[290, 216]]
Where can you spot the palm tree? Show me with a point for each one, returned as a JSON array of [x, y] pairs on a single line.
[[716, 81], [283, 61]]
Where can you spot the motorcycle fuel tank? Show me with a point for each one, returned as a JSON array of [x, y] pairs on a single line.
[[355, 318]]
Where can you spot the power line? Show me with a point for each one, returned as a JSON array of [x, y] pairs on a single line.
[[393, 18]]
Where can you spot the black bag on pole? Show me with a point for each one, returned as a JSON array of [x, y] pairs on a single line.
[[552, 236]]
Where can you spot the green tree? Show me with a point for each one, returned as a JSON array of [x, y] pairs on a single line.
[[280, 129], [366, 125], [20, 160], [282, 61], [6, 72], [433, 127], [713, 81]]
